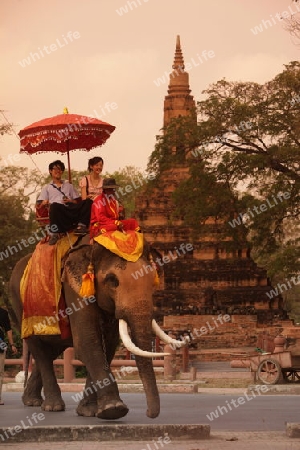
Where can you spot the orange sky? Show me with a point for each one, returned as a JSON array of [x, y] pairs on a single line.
[[109, 61]]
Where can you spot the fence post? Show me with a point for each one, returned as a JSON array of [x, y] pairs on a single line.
[[185, 358], [157, 344], [69, 369], [170, 363], [193, 373]]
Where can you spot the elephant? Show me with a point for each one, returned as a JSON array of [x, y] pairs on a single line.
[[121, 301]]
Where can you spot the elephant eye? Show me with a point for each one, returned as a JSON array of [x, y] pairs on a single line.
[[112, 279]]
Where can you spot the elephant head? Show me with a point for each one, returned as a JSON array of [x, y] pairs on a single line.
[[124, 290]]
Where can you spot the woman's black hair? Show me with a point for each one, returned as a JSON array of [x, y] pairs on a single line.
[[94, 161]]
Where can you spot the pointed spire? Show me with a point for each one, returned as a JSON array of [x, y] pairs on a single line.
[[179, 77], [178, 59], [179, 101]]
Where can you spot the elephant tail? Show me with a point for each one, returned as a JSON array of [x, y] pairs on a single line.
[[26, 366]]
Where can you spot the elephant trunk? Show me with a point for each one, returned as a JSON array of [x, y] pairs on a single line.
[[141, 335]]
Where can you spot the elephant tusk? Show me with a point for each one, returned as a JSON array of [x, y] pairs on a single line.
[[165, 338], [131, 347]]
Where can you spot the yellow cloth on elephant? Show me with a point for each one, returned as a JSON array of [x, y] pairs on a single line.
[[40, 288], [129, 246]]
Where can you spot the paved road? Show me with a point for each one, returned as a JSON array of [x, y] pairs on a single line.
[[263, 413], [258, 424]]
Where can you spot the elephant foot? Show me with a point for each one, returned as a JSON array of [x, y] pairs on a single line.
[[112, 410], [32, 401], [106, 408], [87, 409], [54, 404]]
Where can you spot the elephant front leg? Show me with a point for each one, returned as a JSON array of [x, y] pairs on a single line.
[[95, 402], [110, 406], [95, 348], [87, 406]]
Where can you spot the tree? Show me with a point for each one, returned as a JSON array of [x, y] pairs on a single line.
[[6, 127], [130, 179], [243, 158], [18, 186], [178, 138], [292, 23], [18, 232], [17, 196], [255, 127], [256, 135]]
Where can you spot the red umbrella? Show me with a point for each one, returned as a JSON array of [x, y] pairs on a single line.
[[64, 133]]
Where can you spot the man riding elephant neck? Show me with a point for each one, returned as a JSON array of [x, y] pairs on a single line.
[[65, 212], [105, 214]]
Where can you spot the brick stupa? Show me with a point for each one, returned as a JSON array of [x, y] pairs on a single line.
[[208, 279]]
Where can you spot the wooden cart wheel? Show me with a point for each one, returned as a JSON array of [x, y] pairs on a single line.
[[269, 371]]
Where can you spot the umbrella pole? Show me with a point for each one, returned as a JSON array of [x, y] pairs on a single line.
[[69, 166]]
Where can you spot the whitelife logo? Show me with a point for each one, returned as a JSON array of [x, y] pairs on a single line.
[[47, 50], [268, 23], [131, 4], [243, 217], [194, 62]]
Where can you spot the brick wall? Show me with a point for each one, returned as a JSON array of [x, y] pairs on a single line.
[[212, 332]]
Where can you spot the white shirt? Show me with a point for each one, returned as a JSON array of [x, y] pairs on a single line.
[[55, 195]]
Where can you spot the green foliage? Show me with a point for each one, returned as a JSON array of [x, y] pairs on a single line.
[[5, 127], [131, 180], [202, 197], [180, 137], [14, 227], [243, 153], [255, 126], [21, 182], [17, 194], [19, 188], [255, 131], [81, 372]]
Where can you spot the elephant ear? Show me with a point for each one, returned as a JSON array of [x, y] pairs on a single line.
[[76, 265]]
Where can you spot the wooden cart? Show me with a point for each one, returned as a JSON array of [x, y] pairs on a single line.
[[272, 368]]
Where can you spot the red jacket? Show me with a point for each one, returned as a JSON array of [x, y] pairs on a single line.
[[105, 216]]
